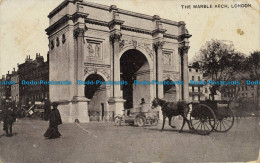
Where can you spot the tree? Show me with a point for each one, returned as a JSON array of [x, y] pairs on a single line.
[[219, 61], [252, 65]]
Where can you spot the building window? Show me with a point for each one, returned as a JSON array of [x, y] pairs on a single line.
[[63, 38], [196, 70], [189, 70], [198, 78], [52, 45], [57, 42]]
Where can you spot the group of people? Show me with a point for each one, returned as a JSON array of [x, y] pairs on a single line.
[[9, 115]]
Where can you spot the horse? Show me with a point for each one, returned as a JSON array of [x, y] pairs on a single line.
[[170, 109]]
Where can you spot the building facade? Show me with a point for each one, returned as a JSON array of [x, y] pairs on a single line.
[[15, 88], [90, 42], [2, 89], [241, 94], [196, 91], [33, 70]]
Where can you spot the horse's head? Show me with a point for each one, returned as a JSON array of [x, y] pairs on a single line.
[[157, 101]]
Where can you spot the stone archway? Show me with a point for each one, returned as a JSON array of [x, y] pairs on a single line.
[[134, 66], [96, 93]]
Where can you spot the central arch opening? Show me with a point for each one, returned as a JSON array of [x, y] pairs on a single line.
[[169, 91], [97, 95], [134, 66]]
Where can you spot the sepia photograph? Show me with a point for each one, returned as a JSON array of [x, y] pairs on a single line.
[[93, 81]]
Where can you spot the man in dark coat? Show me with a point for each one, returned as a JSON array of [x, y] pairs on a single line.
[[9, 118], [55, 120]]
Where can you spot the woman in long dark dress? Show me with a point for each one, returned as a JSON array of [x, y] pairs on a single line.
[[55, 120]]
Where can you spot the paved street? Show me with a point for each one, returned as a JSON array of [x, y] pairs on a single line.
[[104, 142]]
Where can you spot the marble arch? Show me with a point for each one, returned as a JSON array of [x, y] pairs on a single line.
[[94, 37]]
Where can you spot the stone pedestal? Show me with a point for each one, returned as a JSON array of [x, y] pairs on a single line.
[[74, 109], [117, 104], [81, 105]]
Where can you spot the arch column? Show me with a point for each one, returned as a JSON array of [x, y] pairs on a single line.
[[183, 51], [116, 102], [79, 101], [158, 46]]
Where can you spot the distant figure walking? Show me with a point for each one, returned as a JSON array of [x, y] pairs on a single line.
[[9, 118], [55, 120], [47, 109]]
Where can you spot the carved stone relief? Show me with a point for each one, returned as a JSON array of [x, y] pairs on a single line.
[[136, 44], [170, 76], [95, 70], [167, 58], [94, 50]]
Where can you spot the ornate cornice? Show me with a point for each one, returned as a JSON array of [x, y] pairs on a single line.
[[79, 15], [96, 22], [58, 8], [97, 65], [64, 19], [137, 30], [183, 36], [115, 22], [61, 31], [58, 23], [107, 8], [170, 36], [106, 24], [159, 30]]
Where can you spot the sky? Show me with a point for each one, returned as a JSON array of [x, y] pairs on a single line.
[[23, 24]]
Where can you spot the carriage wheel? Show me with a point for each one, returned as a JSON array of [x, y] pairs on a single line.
[[223, 124], [118, 121], [140, 121], [202, 119]]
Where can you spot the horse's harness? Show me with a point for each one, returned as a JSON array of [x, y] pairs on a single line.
[[164, 104]]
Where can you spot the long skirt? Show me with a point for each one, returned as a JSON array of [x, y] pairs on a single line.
[[52, 132]]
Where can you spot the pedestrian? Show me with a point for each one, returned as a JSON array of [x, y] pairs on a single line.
[[9, 118], [47, 109], [55, 120]]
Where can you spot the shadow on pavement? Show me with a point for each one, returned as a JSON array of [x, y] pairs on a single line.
[[175, 131]]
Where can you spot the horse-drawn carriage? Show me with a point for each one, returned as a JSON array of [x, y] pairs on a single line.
[[203, 117], [138, 117], [208, 116]]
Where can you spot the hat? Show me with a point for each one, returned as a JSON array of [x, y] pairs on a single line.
[[55, 104]]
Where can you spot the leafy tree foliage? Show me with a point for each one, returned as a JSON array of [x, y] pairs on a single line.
[[252, 65], [220, 62]]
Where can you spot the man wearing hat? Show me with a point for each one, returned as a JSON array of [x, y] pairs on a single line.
[[9, 118]]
